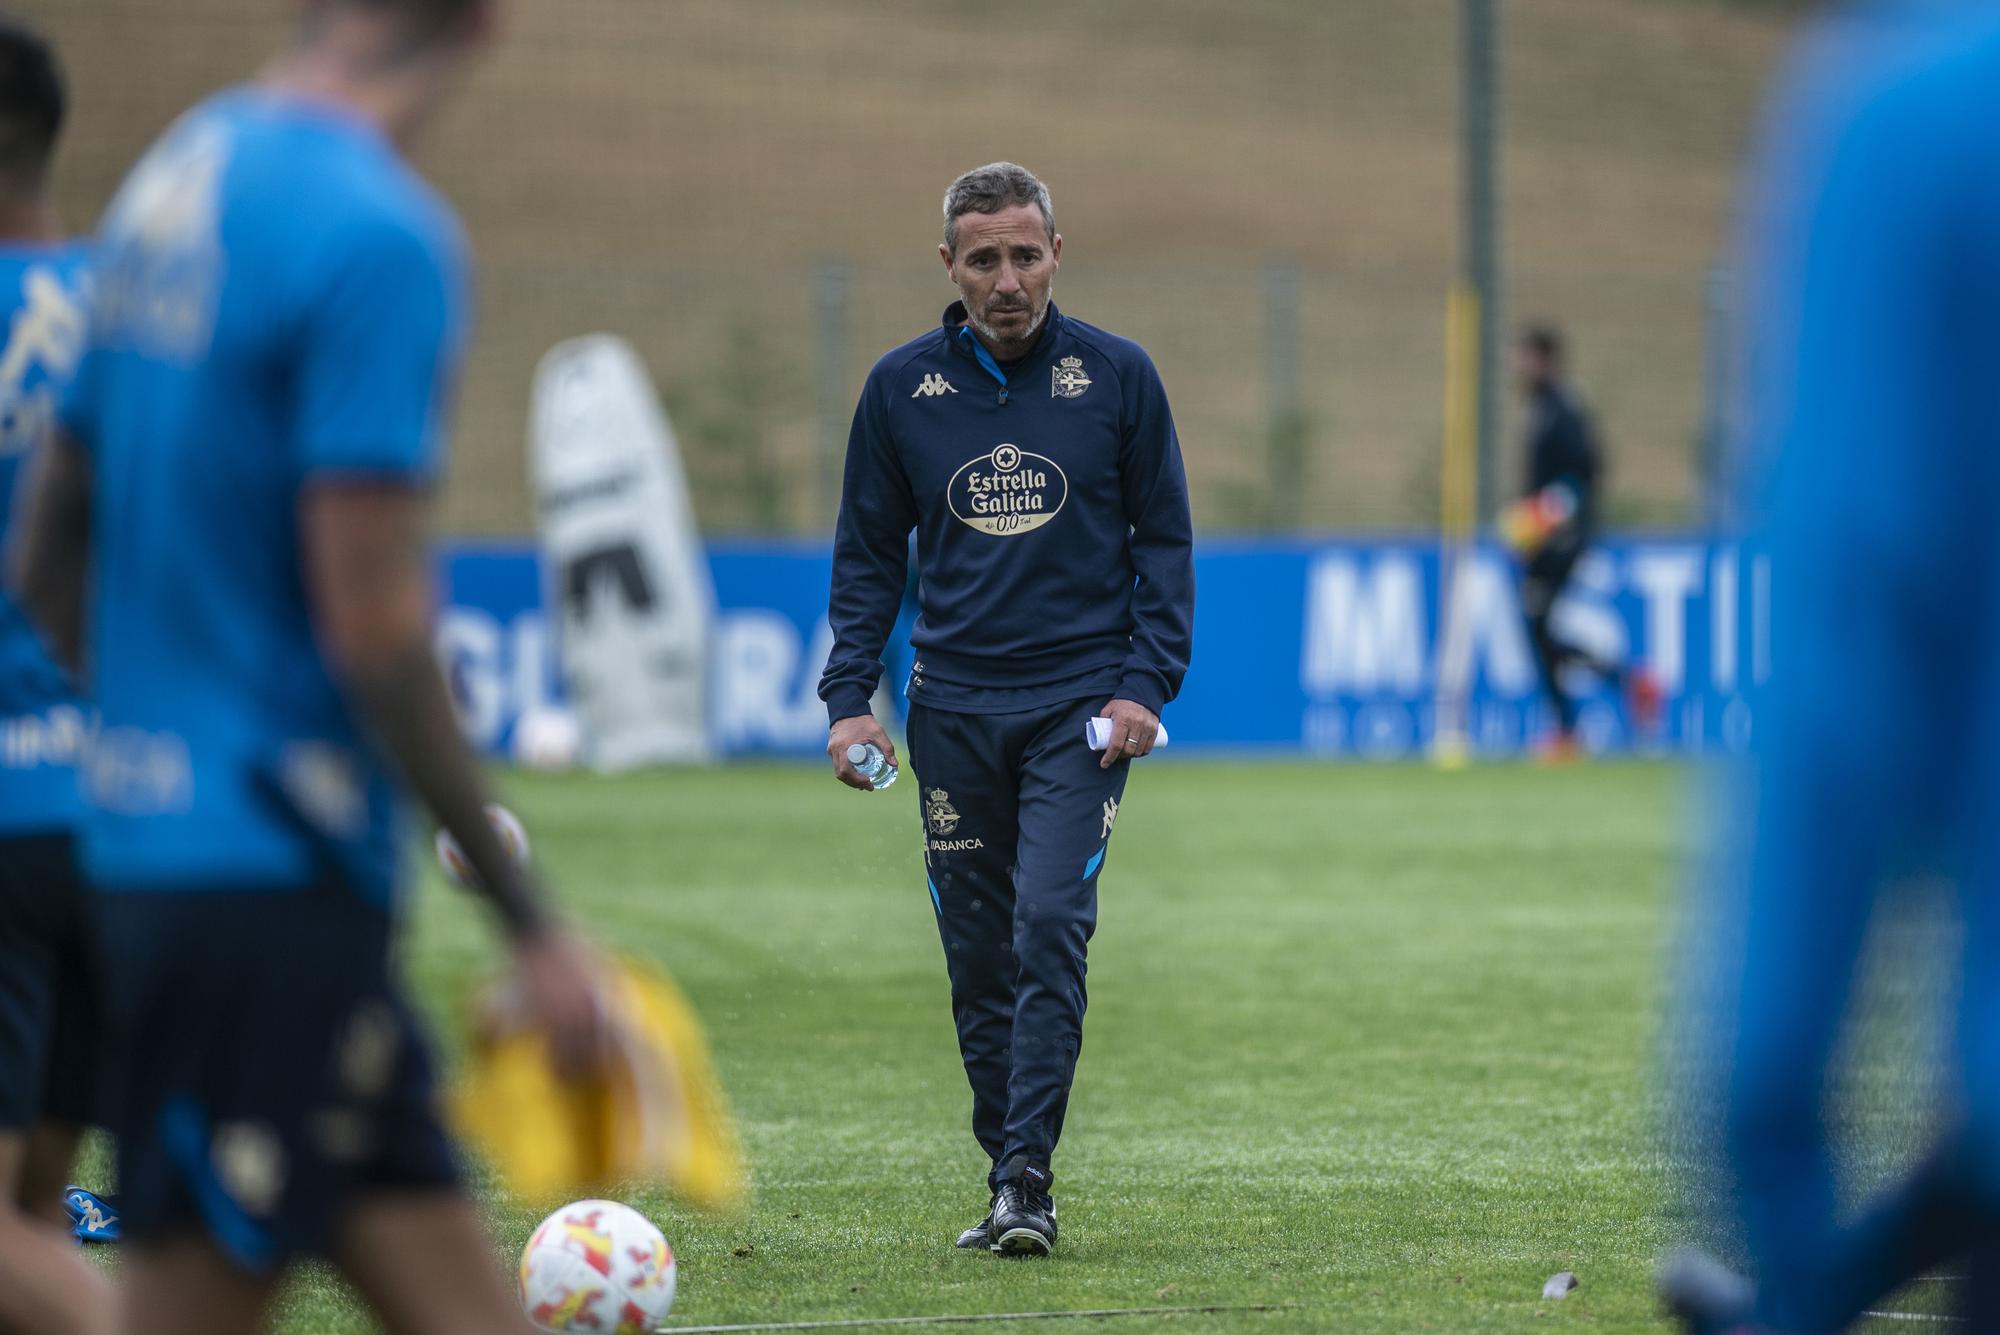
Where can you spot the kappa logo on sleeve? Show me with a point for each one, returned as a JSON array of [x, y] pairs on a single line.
[[933, 385]]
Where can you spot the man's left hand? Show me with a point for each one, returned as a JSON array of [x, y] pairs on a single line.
[[1133, 731]]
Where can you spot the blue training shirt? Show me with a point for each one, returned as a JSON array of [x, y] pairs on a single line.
[[1873, 425], [280, 299], [42, 726], [1874, 421]]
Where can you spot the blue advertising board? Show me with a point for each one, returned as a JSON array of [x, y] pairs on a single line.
[[1303, 646]]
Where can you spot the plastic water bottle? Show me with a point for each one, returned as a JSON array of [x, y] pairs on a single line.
[[871, 764]]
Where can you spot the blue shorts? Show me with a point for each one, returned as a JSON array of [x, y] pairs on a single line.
[[269, 1071], [48, 1008]]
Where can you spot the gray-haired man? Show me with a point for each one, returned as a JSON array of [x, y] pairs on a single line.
[[1035, 457]]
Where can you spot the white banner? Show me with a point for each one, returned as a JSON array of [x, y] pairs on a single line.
[[627, 575]]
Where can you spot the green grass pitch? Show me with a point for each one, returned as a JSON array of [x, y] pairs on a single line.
[[1374, 1042]]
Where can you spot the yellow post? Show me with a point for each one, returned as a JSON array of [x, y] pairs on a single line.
[[1461, 414], [1458, 520]]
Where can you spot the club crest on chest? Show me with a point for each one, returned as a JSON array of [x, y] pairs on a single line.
[[1067, 379]]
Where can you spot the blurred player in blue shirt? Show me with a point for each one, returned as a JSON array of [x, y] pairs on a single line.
[[1875, 433], [231, 537], [48, 1045]]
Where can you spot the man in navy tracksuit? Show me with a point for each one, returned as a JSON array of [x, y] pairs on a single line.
[[1036, 459]]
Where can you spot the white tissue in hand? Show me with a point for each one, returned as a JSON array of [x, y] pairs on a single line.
[[1097, 733]]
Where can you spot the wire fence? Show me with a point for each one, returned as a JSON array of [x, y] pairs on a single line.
[[1263, 193], [1305, 400]]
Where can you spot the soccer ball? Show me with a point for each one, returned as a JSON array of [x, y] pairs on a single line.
[[505, 823], [597, 1266], [548, 738]]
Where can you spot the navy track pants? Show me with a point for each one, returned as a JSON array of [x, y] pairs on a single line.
[[1017, 820]]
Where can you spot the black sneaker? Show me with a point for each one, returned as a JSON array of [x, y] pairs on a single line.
[[1705, 1296], [980, 1235], [1024, 1215]]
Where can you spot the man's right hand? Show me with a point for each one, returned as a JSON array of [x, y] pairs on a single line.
[[862, 728], [560, 981]]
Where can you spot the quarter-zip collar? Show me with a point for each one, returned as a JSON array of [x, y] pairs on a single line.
[[966, 343]]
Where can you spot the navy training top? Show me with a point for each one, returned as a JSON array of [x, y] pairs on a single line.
[[1054, 546]]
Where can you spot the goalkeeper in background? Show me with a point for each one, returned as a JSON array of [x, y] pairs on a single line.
[[1552, 525]]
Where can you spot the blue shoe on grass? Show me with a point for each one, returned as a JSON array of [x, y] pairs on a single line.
[[92, 1218]]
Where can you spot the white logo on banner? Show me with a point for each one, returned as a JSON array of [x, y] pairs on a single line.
[[1666, 578], [1364, 627], [767, 683]]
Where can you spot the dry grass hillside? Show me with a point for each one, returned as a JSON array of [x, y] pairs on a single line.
[[677, 171]]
